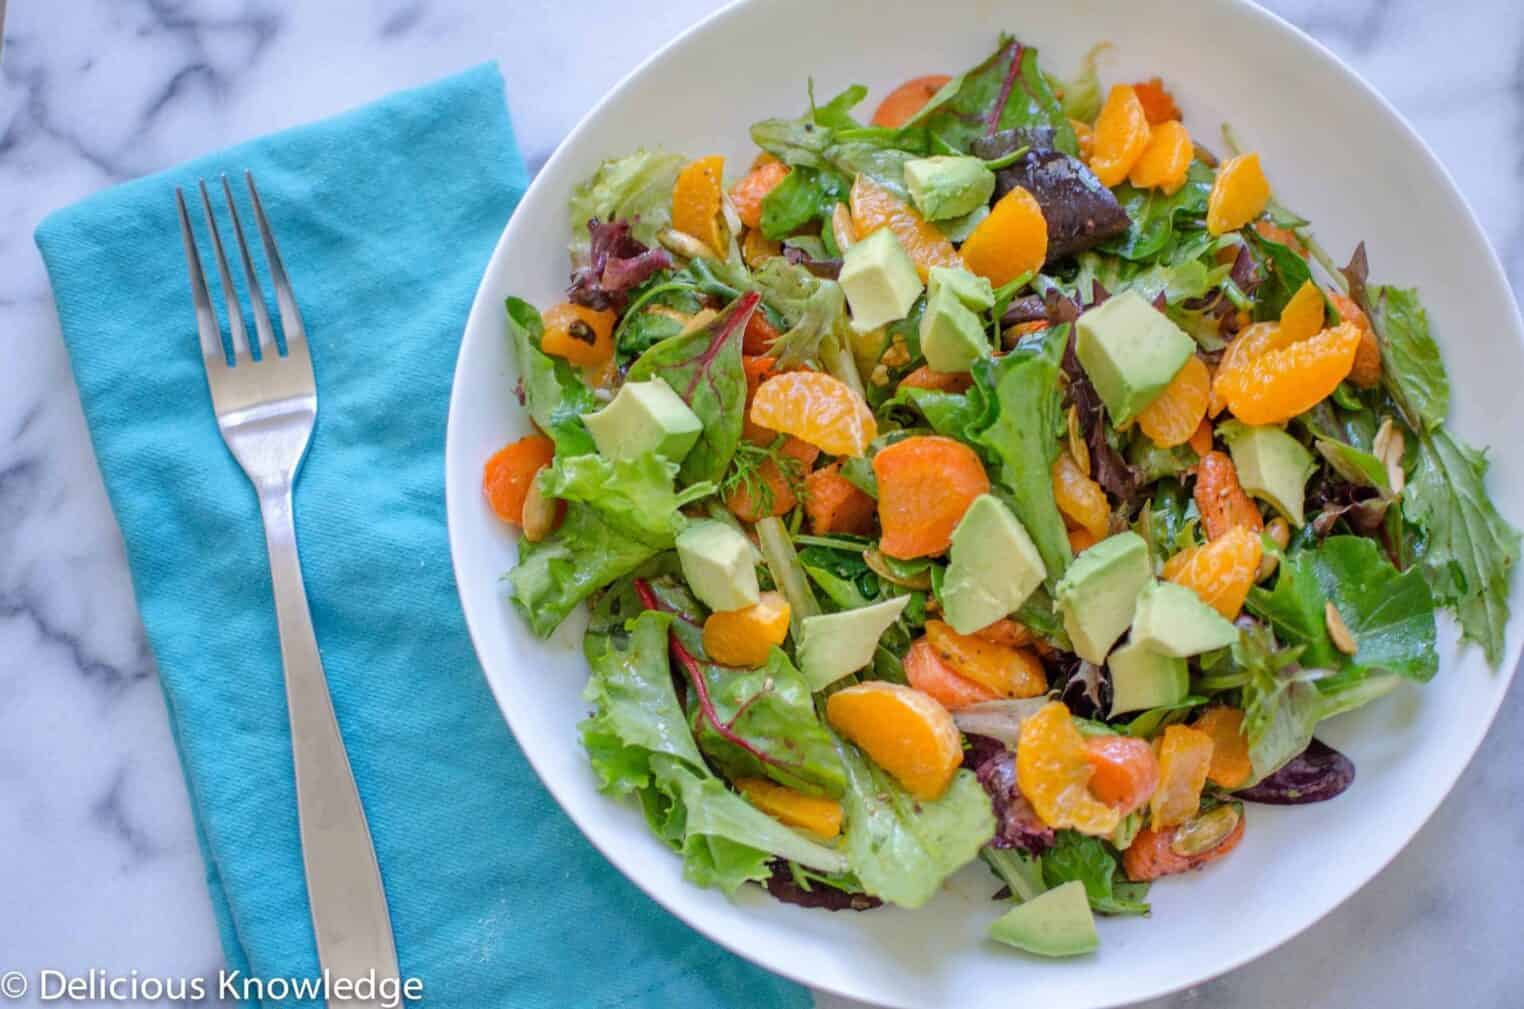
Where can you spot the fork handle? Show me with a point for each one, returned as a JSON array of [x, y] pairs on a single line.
[[348, 904]]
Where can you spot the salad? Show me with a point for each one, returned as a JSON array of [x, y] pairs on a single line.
[[1007, 478]]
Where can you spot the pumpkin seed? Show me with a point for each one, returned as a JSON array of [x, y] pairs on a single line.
[[539, 511], [684, 244], [879, 565], [1199, 836], [1338, 630]]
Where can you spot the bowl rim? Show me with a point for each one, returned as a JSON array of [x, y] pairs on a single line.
[[1265, 21]]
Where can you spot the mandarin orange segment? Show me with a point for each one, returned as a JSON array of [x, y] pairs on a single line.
[[930, 675], [874, 207], [1231, 767], [1303, 315], [578, 334], [746, 637], [1008, 671], [1174, 416], [902, 730], [697, 200], [1080, 540], [1011, 241], [1079, 498], [1240, 193], [1053, 771], [1249, 344], [1121, 134], [1366, 371], [1166, 160], [925, 484], [1185, 755], [1220, 572], [1201, 440], [1222, 501], [748, 194], [815, 407], [1279, 384], [1126, 771], [509, 472], [814, 813]]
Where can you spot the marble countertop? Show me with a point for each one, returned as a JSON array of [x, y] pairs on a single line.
[[99, 864]]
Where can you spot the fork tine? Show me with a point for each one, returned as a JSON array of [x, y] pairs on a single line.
[[229, 292], [206, 319], [290, 316], [256, 297]]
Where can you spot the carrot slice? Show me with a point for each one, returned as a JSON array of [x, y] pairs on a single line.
[[925, 484], [902, 730], [507, 475], [1009, 672], [929, 674], [834, 504], [1126, 771], [901, 104]]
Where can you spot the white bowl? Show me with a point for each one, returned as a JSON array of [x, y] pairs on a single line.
[[1337, 153]]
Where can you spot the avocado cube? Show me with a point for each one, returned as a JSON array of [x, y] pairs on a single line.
[[952, 336], [644, 417], [1058, 922], [1131, 351], [1272, 465], [1141, 678], [718, 562], [1172, 620], [958, 229], [948, 185], [994, 566], [880, 280], [1098, 593], [833, 645], [974, 291]]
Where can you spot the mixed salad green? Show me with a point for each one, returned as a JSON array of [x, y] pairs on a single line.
[[1008, 477]]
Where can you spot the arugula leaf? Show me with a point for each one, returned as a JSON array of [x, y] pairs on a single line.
[[1005, 91], [1391, 615], [1089, 860], [725, 840], [1411, 367], [636, 188], [1023, 434], [553, 393], [636, 712], [1471, 549], [901, 849], [619, 515], [704, 368], [772, 709], [1158, 217]]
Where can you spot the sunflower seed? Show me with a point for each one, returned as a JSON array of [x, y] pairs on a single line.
[[1077, 447]]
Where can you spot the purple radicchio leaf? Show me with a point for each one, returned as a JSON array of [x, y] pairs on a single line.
[[1080, 212], [1317, 774], [1357, 273], [1110, 470], [1016, 823], [1028, 308], [617, 261], [782, 885], [830, 269]]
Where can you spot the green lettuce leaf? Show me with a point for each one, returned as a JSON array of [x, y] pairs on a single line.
[[804, 195], [1159, 221], [1022, 387], [1082, 94], [618, 516], [1411, 367], [1285, 273], [1390, 614], [554, 394], [637, 187], [1471, 550], [771, 708], [1090, 860], [812, 307], [901, 849], [635, 708], [1005, 91], [704, 368], [725, 840]]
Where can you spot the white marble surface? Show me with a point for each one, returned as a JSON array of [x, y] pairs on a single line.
[[98, 865]]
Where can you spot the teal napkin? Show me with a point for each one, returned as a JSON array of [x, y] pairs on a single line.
[[386, 217]]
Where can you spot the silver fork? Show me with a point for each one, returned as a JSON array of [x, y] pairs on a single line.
[[265, 407]]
